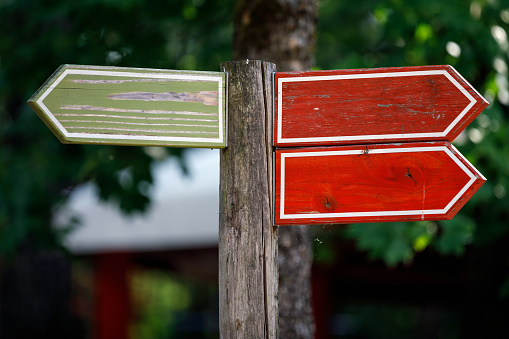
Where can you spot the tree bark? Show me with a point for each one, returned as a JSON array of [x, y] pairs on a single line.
[[279, 31], [284, 32], [247, 240]]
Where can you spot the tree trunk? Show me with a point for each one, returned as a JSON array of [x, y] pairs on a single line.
[[247, 240], [283, 32], [279, 31]]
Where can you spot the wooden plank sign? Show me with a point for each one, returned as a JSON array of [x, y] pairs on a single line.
[[372, 105], [134, 106], [370, 183]]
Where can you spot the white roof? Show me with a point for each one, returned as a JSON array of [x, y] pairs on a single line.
[[184, 211]]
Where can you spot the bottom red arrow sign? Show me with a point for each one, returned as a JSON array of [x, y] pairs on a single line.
[[386, 182]]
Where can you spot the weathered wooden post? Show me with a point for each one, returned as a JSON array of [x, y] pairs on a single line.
[[248, 276]]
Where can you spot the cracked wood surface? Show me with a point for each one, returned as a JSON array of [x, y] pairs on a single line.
[[248, 306]]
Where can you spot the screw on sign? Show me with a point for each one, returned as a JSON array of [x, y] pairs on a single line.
[[371, 181]]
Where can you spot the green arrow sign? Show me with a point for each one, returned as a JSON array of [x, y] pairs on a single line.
[[134, 106]]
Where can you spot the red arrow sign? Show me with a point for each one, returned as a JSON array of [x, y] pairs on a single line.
[[373, 105], [392, 182]]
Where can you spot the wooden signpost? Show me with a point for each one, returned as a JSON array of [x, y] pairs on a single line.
[[134, 106], [372, 182], [354, 173]]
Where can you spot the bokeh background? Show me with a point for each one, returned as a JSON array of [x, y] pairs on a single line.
[[447, 279]]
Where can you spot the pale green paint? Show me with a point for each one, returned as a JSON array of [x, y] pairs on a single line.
[[110, 109]]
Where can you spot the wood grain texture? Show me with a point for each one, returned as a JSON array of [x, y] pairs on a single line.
[[373, 105], [132, 106], [370, 183], [247, 239]]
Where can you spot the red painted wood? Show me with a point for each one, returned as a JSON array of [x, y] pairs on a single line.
[[371, 183], [112, 302], [372, 105]]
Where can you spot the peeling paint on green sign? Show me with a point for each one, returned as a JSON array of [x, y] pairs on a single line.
[[134, 106]]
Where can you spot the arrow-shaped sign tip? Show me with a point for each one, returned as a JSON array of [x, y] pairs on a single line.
[[134, 106]]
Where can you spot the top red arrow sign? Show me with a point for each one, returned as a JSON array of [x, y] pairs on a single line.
[[373, 105]]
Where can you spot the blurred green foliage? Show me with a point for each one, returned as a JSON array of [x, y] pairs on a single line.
[[156, 293], [398, 322], [36, 171], [472, 37], [186, 304]]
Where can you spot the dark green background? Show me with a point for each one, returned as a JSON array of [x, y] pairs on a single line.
[[37, 173]]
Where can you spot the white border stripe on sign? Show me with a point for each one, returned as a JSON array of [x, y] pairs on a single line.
[[375, 136], [211, 78], [444, 210]]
